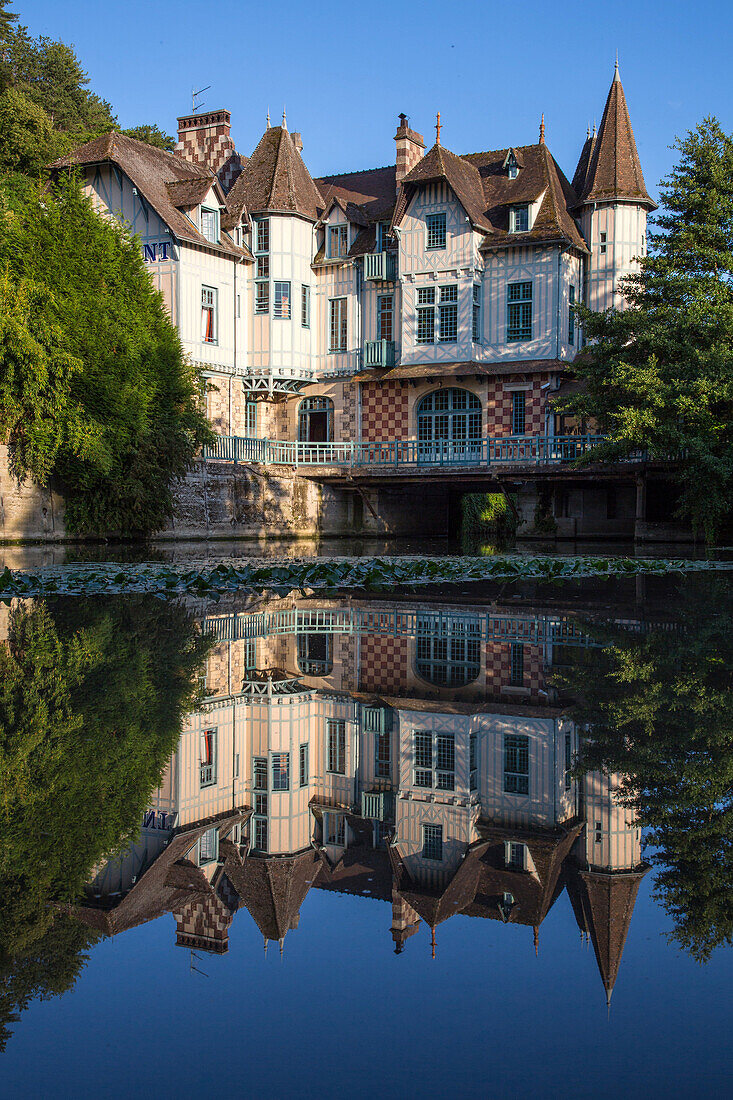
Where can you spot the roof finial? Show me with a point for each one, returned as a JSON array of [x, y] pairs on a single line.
[[587, 132], [432, 943], [615, 71], [265, 939], [268, 118], [542, 129], [437, 128], [285, 121], [595, 131], [536, 940], [282, 944]]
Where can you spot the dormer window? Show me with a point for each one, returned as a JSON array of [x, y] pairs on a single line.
[[210, 224], [382, 237], [519, 218], [338, 241], [512, 168]]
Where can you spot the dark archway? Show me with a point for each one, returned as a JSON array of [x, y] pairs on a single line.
[[315, 420]]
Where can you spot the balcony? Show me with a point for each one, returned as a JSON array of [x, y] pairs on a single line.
[[275, 381], [380, 267], [379, 353]]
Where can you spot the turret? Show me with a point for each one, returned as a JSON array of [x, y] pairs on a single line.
[[613, 201]]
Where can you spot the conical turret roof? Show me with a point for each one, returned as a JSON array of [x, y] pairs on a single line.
[[608, 906], [276, 179]]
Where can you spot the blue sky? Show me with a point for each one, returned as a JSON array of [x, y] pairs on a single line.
[[345, 72]]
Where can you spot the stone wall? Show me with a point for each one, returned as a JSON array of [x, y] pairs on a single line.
[[27, 511]]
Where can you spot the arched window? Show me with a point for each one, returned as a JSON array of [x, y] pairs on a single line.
[[449, 425], [448, 651], [315, 654], [315, 420]]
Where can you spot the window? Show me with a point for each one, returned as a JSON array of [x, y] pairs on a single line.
[[432, 842], [315, 654], [450, 658], [516, 764], [382, 236], [472, 765], [338, 330], [208, 314], [209, 846], [336, 830], [262, 236], [210, 224], [282, 301], [517, 664], [519, 412], [571, 315], [604, 238], [519, 218], [338, 241], [519, 312], [477, 313], [449, 416], [435, 760], [250, 419], [514, 855], [259, 840], [435, 227], [281, 771], [304, 765], [448, 311], [261, 804], [263, 267], [385, 312], [305, 306], [315, 420], [262, 273], [207, 777], [512, 168], [336, 731], [426, 315], [262, 296], [568, 761], [260, 773], [382, 753]]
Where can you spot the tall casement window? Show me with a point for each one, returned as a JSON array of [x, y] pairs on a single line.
[[259, 817], [448, 416], [209, 319], [315, 654], [281, 771], [336, 745], [383, 236], [477, 313], [210, 224], [432, 842], [514, 855], [304, 765], [208, 847], [571, 315], [604, 243], [315, 420], [305, 306], [376, 720], [448, 314], [385, 315], [516, 659], [335, 829], [516, 764], [435, 760], [435, 231], [338, 241], [261, 237], [426, 315], [519, 412], [519, 218], [519, 312], [338, 332], [444, 327], [259, 773], [472, 762], [207, 771], [568, 761], [282, 301], [250, 419], [451, 658]]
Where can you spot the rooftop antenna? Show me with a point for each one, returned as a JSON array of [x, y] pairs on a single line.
[[194, 94], [193, 968]]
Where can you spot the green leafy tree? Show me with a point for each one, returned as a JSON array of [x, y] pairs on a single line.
[[28, 141], [152, 135], [659, 711], [94, 386], [659, 373]]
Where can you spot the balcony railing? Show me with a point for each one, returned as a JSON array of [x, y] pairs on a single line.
[[380, 267], [511, 450], [379, 353]]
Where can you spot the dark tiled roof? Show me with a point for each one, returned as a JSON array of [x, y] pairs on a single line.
[[462, 176], [151, 170], [276, 179], [185, 193], [420, 371], [581, 172], [614, 170], [273, 888], [373, 191], [608, 906]]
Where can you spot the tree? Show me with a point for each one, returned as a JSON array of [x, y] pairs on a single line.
[[94, 386], [658, 708], [659, 374], [152, 135], [28, 141]]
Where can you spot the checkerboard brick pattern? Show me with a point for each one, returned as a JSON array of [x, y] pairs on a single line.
[[384, 664], [384, 411], [499, 668], [499, 407], [203, 923]]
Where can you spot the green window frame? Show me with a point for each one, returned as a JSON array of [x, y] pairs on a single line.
[[519, 312], [519, 412], [435, 231], [516, 763], [280, 766], [338, 242], [519, 218], [305, 306], [282, 302], [338, 325], [208, 758], [516, 661], [432, 842], [476, 330], [210, 224], [571, 315], [336, 746], [385, 316], [303, 761]]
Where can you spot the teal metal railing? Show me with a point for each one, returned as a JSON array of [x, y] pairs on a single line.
[[380, 267], [379, 353], [520, 450]]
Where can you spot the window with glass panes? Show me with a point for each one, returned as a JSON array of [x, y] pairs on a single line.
[[383, 241], [207, 770], [259, 773], [304, 765], [568, 761], [514, 855], [209, 297], [426, 315], [434, 760], [261, 237], [261, 805], [209, 846], [571, 315], [477, 313], [336, 740], [281, 308], [435, 231], [385, 312], [432, 842], [337, 325], [210, 224], [336, 830], [305, 306], [281, 771], [449, 656], [517, 664], [516, 764], [259, 839], [338, 241], [448, 314], [315, 654], [250, 419], [519, 218], [519, 408], [519, 311], [472, 762]]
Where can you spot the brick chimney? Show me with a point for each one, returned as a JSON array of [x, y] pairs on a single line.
[[410, 149], [297, 140], [205, 139]]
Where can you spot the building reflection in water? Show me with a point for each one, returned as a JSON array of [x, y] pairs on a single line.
[[420, 757]]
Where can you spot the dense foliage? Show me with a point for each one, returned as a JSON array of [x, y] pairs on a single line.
[[659, 711], [92, 697], [659, 373]]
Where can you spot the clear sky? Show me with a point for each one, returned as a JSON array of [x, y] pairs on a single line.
[[346, 71]]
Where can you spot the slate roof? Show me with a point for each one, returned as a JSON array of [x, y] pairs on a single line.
[[273, 889], [151, 170], [275, 179]]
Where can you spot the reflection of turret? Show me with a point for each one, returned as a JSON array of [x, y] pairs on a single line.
[[405, 922], [273, 888], [608, 904]]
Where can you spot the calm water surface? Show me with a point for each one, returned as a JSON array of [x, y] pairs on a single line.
[[470, 840]]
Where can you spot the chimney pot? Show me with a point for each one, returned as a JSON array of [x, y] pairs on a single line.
[[297, 140], [410, 149]]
